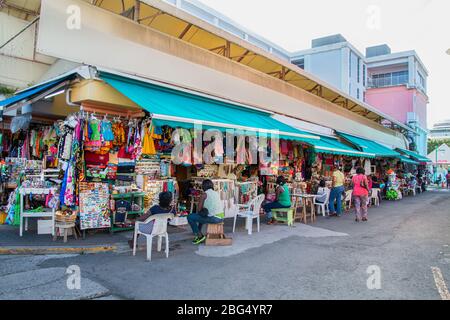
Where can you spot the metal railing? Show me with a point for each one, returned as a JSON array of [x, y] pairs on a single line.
[[388, 81]]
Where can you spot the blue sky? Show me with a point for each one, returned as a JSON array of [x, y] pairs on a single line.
[[421, 25]]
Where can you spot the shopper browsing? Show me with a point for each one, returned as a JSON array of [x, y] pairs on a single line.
[[336, 192], [360, 194]]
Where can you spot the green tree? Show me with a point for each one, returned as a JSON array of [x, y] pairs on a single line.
[[6, 91], [434, 144]]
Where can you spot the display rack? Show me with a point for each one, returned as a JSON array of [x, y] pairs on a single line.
[[153, 188], [246, 191], [134, 198]]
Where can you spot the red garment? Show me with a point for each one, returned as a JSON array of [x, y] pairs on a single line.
[[358, 190], [92, 158], [284, 149], [123, 154]]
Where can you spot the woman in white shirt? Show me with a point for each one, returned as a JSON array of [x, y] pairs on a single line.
[[210, 211]]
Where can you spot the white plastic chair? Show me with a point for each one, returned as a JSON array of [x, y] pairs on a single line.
[[159, 230], [375, 197], [348, 199], [412, 190], [251, 211], [323, 207]]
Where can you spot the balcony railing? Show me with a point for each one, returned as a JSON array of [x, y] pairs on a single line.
[[389, 81]]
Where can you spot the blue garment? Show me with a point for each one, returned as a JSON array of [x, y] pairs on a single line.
[[268, 207], [196, 222], [336, 195], [107, 132]]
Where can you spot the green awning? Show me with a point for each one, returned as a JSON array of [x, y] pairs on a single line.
[[329, 145], [182, 109], [370, 146], [414, 155]]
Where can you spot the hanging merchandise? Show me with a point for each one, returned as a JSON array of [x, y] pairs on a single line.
[[119, 133], [368, 167], [107, 132]]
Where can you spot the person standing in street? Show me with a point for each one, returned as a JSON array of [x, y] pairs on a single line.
[[336, 192], [360, 194], [448, 180]]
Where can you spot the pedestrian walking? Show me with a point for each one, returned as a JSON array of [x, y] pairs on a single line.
[[336, 192], [360, 194], [448, 180]]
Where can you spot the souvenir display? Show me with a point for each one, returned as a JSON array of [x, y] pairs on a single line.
[[94, 206]]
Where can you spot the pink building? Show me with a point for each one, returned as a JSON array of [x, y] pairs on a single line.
[[397, 86]]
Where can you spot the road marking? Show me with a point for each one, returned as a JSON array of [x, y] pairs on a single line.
[[440, 283]]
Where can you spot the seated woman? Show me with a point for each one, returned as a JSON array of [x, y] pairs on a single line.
[[322, 192], [164, 207], [210, 211], [283, 200]]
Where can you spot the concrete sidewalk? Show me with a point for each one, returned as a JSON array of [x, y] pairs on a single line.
[[96, 241]]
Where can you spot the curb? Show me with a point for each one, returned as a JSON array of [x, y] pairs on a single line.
[[56, 250], [44, 250]]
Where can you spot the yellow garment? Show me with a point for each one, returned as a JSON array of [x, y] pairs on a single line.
[[148, 145], [339, 178]]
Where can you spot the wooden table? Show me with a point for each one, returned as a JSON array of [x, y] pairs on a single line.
[[307, 199]]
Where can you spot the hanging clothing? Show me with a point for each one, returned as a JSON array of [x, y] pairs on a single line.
[[94, 130], [107, 132], [148, 145], [119, 134]]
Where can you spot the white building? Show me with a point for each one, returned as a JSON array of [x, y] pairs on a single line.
[[441, 130], [336, 61]]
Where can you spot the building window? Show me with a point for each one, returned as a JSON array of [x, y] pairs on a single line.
[[389, 79], [350, 65], [350, 89], [364, 75], [421, 81], [299, 63], [357, 93], [358, 70]]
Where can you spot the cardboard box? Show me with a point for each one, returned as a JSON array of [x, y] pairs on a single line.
[[45, 226]]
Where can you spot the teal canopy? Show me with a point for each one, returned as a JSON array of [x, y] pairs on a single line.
[[370, 146], [181, 109], [414, 155], [32, 92], [408, 160], [329, 145]]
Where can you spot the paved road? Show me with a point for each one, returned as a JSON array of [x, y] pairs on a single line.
[[407, 242]]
